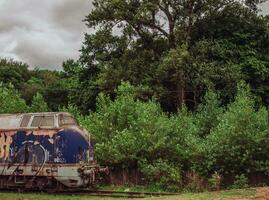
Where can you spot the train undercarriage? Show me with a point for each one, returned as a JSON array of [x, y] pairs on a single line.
[[49, 177]]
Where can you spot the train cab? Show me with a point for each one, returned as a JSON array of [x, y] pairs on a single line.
[[45, 148]]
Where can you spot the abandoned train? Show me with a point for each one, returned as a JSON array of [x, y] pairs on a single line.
[[45, 151]]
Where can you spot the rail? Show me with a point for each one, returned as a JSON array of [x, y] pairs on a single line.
[[96, 193], [112, 193]]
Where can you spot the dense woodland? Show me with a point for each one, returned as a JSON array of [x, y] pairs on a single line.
[[165, 87]]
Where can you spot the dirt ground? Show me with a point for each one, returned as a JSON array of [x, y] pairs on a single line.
[[261, 194]]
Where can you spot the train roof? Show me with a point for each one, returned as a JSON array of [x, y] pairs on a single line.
[[35, 120], [36, 113]]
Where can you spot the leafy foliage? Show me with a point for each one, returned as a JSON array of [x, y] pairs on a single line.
[[208, 113], [238, 144], [39, 104], [163, 174], [11, 101], [178, 49], [13, 72], [122, 128], [215, 181], [241, 181], [130, 133]]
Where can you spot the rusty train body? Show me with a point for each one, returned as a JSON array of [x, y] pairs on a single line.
[[45, 151]]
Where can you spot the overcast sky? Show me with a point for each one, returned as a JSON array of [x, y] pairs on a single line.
[[42, 33], [45, 33]]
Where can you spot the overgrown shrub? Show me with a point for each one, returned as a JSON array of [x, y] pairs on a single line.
[[215, 181], [39, 104], [239, 143], [129, 132], [208, 113], [194, 182], [240, 182], [162, 173], [11, 101], [123, 129]]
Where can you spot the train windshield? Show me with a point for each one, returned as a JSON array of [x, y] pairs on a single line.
[[43, 121], [65, 120]]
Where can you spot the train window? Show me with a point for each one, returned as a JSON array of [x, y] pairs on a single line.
[[39, 121], [25, 120], [66, 120], [36, 121], [47, 121]]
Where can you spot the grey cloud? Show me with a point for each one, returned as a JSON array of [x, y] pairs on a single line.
[[7, 24], [43, 50], [70, 16], [42, 33], [265, 8]]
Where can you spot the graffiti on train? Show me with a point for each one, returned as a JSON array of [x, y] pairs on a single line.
[[5, 142]]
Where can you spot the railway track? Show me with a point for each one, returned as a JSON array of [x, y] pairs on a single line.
[[96, 193], [116, 194]]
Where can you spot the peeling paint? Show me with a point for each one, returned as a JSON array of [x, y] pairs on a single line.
[[5, 142]]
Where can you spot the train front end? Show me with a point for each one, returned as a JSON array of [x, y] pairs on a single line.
[[46, 151], [75, 152]]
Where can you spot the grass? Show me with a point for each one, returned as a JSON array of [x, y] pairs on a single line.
[[223, 195], [147, 188]]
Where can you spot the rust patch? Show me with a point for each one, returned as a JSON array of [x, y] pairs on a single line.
[[5, 142], [44, 132]]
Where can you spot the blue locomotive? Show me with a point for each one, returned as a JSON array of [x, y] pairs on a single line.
[[45, 151]]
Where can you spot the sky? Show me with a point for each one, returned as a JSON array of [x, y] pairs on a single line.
[[42, 33], [45, 33]]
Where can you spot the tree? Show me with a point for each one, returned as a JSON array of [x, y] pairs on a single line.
[[39, 104], [51, 84], [14, 72], [208, 113], [31, 87], [132, 134], [174, 69], [238, 144], [11, 101], [122, 127], [77, 86], [134, 38], [172, 20]]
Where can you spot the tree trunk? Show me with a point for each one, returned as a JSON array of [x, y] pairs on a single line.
[[180, 101]]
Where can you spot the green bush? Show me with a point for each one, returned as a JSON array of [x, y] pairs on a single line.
[[208, 113], [162, 174], [130, 133], [239, 143], [215, 181], [240, 182], [11, 101], [194, 182], [39, 104], [123, 128]]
